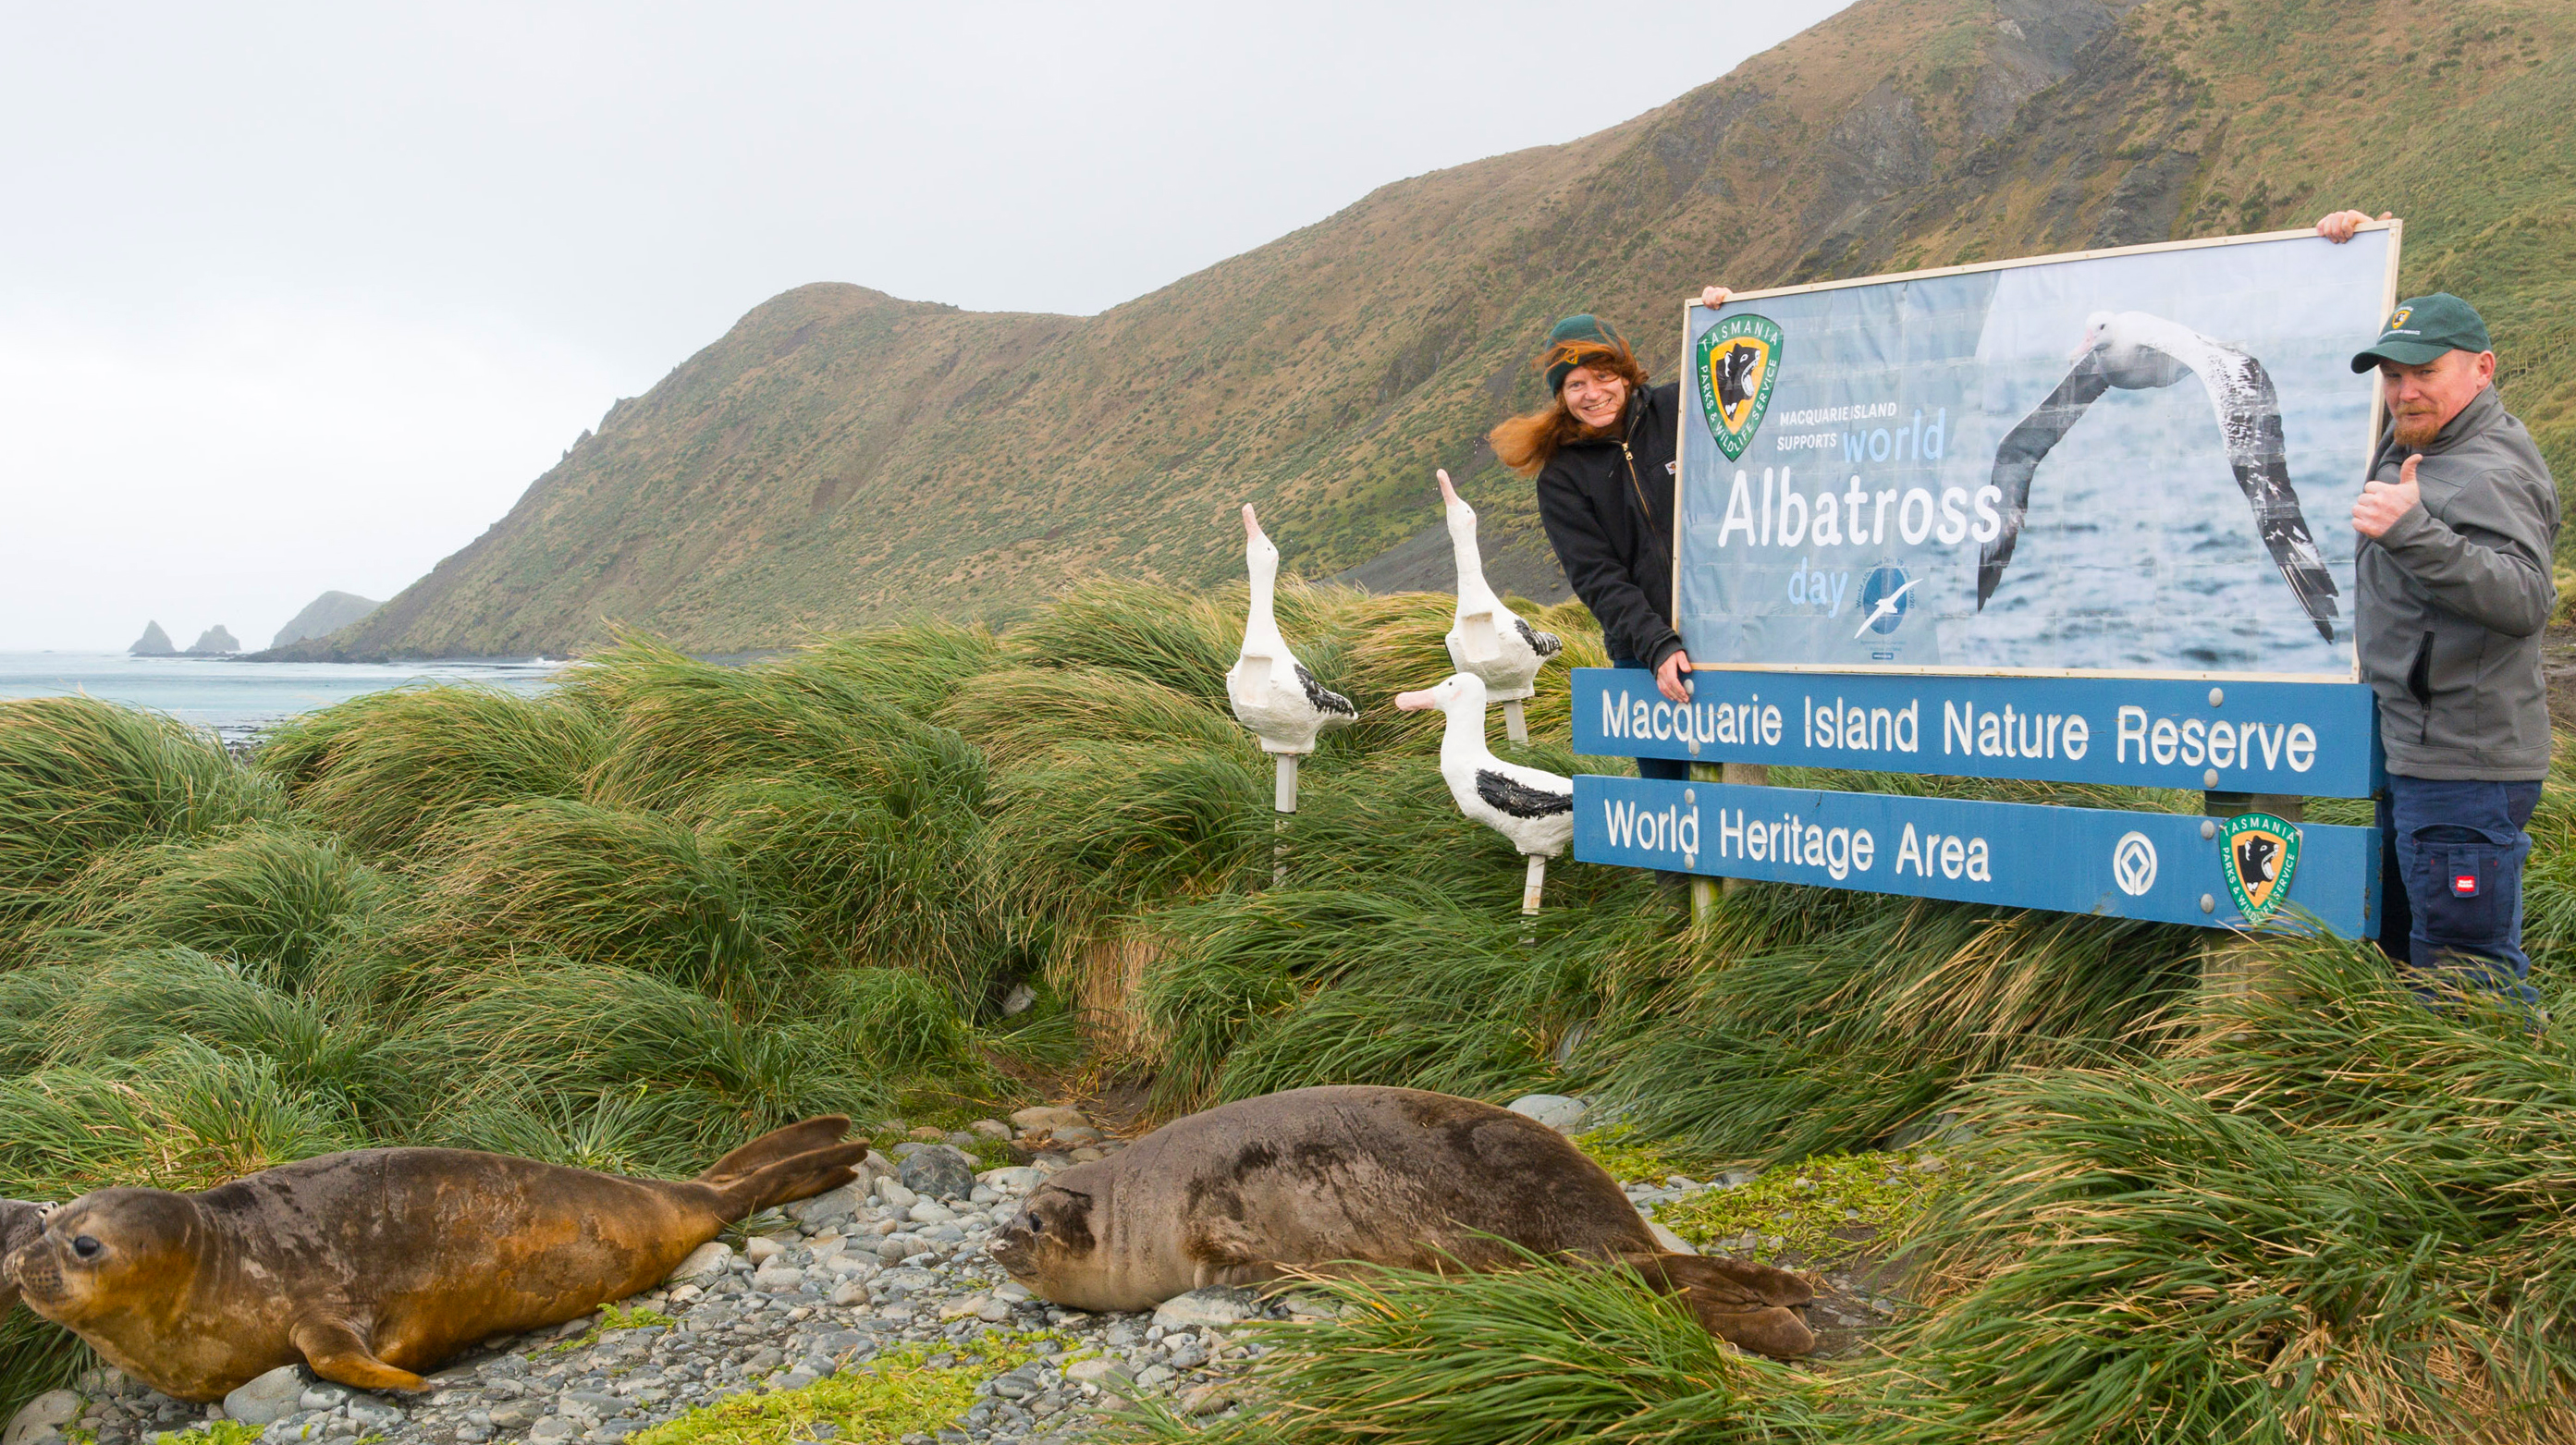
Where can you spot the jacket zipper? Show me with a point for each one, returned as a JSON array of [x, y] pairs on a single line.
[[1644, 508]]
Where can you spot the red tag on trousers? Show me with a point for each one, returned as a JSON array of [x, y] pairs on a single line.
[[2465, 885]]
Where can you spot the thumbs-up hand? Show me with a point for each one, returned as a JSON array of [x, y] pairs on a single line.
[[2382, 503]]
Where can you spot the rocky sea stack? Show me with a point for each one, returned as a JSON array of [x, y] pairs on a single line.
[[153, 643], [214, 642]]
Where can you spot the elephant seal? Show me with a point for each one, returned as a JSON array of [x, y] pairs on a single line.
[[1330, 1179], [376, 1265], [19, 1223]]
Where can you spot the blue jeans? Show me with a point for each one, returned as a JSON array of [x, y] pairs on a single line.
[[1670, 770], [2450, 857]]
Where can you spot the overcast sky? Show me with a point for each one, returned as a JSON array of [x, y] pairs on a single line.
[[303, 297]]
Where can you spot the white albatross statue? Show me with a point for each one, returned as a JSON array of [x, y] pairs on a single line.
[[1531, 806], [1272, 692], [1488, 639], [2134, 351]]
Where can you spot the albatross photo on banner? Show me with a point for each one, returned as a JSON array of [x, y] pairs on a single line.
[[2133, 351]]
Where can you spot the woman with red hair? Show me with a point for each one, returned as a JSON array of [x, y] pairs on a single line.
[[1604, 452]]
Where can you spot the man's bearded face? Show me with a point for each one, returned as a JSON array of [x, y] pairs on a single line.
[[2423, 399]]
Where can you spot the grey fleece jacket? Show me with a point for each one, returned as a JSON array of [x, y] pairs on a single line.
[[2452, 600]]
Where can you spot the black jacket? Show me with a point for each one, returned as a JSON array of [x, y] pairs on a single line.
[[1608, 506]]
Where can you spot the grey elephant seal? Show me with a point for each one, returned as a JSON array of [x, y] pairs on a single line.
[[19, 1223], [1353, 1176], [376, 1265]]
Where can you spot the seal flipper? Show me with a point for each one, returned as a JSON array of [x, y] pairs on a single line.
[[1752, 1306], [820, 1132], [800, 1177], [337, 1352]]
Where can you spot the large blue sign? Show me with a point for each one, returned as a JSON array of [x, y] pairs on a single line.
[[2171, 867], [2318, 740]]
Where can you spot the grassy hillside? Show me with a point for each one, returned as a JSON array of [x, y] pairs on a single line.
[[842, 457]]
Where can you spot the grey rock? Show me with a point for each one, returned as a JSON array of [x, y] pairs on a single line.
[[1560, 1112], [707, 1261], [1204, 1307], [268, 1398], [777, 1279], [42, 1417], [1018, 1179], [1672, 1243], [1047, 1117], [323, 1395], [550, 1429], [831, 1206], [372, 1414], [942, 1171], [516, 1414]]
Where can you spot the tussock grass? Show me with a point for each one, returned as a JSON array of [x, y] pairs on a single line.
[[79, 777], [681, 724], [1829, 1041], [520, 1038], [1541, 1354], [2334, 1215], [914, 667], [391, 769], [602, 886], [860, 878], [276, 896], [135, 1005]]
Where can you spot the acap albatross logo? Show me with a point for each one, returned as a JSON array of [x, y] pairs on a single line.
[[1738, 360]]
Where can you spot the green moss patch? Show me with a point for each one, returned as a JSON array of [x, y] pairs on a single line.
[[1817, 1210], [898, 1393], [1628, 1157], [213, 1432], [611, 1318]]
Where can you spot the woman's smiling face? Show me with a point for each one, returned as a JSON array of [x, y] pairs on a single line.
[[1596, 397]]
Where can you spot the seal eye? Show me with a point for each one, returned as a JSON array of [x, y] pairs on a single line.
[[86, 1247]]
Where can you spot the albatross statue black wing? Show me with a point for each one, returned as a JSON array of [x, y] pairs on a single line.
[[2133, 351]]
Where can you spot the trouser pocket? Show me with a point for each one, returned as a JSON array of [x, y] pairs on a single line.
[[2462, 891]]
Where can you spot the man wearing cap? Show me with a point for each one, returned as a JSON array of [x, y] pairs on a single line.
[[2458, 520]]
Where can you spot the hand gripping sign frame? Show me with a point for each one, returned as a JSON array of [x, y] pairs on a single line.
[[2230, 672]]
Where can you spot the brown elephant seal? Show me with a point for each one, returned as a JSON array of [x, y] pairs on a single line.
[[376, 1265], [1332, 1178]]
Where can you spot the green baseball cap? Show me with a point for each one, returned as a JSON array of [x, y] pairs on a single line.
[[2424, 328], [1583, 328]]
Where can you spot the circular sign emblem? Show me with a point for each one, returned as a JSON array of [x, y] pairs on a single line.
[[1885, 598], [2133, 864]]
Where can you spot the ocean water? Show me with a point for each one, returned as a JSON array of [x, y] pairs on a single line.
[[239, 700]]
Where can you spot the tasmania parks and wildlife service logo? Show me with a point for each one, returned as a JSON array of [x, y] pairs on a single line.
[[1739, 358], [2262, 853]]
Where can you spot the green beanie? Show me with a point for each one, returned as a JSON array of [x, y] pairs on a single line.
[[1586, 327]]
